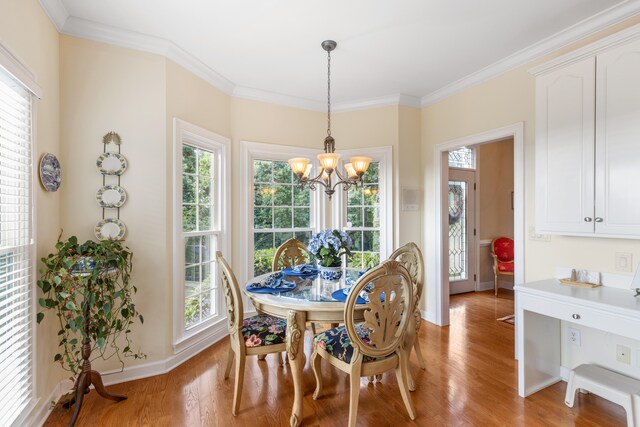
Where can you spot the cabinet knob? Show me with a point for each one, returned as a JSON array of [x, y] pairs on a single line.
[[598, 219], [575, 316], [588, 219]]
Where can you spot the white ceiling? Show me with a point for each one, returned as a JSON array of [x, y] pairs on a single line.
[[271, 48]]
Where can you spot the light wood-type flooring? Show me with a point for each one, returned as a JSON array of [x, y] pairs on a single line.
[[470, 380]]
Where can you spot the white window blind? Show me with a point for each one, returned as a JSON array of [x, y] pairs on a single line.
[[16, 244]]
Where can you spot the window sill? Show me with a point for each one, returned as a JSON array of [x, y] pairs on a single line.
[[209, 332]]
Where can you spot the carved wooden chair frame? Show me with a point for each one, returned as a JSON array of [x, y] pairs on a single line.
[[290, 253], [235, 316], [387, 321], [410, 256]]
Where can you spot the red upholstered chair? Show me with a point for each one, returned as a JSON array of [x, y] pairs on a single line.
[[502, 253]]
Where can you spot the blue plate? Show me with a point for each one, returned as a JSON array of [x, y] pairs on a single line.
[[341, 296]]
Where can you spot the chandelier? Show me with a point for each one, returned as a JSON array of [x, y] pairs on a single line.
[[354, 170]]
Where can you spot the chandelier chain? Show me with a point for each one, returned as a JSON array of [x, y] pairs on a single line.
[[329, 93]]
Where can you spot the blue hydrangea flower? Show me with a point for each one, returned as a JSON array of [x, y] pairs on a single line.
[[336, 241]]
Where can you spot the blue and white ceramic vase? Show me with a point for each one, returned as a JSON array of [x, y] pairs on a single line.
[[330, 274]]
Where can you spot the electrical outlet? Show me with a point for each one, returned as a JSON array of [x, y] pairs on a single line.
[[623, 354], [573, 336], [623, 261]]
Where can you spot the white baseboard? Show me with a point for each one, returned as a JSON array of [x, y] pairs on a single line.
[[43, 409], [160, 367], [486, 286], [429, 317], [564, 373]]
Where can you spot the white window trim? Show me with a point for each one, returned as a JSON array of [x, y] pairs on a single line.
[[14, 66], [199, 137], [250, 151], [384, 155]]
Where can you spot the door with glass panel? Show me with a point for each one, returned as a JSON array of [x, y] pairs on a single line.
[[461, 229]]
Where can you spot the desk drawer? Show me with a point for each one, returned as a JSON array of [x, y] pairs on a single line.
[[590, 317]]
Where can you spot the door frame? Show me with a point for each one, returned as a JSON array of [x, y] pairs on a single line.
[[515, 131]]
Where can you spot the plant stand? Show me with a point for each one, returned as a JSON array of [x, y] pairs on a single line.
[[88, 376]]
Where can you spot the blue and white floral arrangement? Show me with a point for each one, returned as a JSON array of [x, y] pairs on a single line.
[[328, 246]]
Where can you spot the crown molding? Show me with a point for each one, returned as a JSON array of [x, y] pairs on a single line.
[[132, 40], [592, 49], [112, 35], [56, 12], [276, 98], [582, 29], [382, 101], [73, 26]]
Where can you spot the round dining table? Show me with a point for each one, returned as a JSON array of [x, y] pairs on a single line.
[[310, 301]]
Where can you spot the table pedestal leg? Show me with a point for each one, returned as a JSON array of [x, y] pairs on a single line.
[[296, 322]]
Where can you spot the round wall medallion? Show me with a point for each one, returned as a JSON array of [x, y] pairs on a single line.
[[50, 172]]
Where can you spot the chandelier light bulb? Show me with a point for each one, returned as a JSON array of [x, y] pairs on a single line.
[[360, 164], [298, 165], [329, 161], [351, 172]]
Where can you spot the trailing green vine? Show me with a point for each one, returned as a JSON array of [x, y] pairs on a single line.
[[65, 280]]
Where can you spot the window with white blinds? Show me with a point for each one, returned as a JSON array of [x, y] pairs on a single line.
[[16, 244]]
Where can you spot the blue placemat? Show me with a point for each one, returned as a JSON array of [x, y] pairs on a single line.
[[271, 284], [301, 270], [341, 296]]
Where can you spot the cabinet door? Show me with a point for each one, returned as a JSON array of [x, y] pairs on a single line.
[[565, 149], [618, 141]]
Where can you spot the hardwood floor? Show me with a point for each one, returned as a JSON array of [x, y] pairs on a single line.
[[470, 380]]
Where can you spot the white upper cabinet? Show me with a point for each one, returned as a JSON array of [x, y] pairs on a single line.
[[588, 140], [564, 148], [618, 141]]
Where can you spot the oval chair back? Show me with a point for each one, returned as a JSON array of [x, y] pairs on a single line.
[[410, 256], [232, 297], [387, 313], [290, 253]]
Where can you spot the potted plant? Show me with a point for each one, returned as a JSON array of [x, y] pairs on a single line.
[[328, 246], [87, 286]]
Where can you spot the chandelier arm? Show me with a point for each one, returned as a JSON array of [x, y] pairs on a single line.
[[346, 185], [341, 178], [317, 180]]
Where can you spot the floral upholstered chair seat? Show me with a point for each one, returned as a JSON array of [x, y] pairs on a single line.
[[336, 342], [263, 330]]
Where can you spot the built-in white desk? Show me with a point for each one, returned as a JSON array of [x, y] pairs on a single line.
[[541, 306]]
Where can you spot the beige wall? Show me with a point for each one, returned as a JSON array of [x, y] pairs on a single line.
[[495, 163], [512, 100], [495, 173], [106, 88], [27, 31]]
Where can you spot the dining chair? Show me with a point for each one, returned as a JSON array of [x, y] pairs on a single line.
[[261, 334], [376, 345], [289, 254], [410, 256], [502, 254]]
